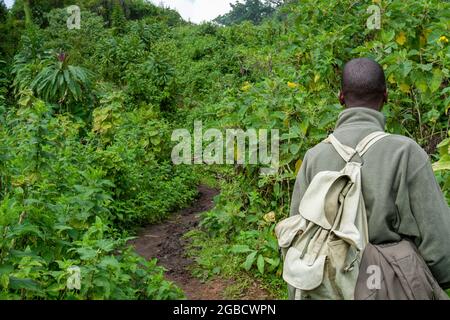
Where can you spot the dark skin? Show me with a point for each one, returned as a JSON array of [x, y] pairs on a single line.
[[349, 101]]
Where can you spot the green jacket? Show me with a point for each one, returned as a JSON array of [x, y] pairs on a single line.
[[402, 197]]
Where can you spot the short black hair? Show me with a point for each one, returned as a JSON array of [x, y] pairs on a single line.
[[363, 80]]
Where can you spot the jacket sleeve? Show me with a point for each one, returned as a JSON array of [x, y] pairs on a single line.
[[432, 215], [301, 183]]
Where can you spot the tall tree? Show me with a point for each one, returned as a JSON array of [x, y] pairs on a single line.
[[27, 11], [250, 10]]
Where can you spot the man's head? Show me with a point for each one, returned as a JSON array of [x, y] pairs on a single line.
[[363, 84]]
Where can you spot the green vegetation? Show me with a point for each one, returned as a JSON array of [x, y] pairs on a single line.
[[250, 10], [84, 161], [86, 117]]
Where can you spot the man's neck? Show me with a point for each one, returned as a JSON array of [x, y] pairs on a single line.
[[362, 105], [361, 116]]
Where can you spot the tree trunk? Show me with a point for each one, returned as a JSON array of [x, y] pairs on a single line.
[[27, 11]]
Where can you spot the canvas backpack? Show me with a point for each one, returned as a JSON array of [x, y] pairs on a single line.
[[322, 245]]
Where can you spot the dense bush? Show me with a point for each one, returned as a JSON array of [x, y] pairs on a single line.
[[86, 118], [84, 159], [61, 208]]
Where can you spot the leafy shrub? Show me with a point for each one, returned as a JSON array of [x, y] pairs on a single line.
[[60, 208]]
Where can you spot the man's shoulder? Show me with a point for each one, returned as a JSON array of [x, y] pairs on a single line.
[[318, 149], [391, 143], [401, 140], [399, 143]]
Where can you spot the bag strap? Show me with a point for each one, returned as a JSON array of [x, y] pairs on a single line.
[[347, 153], [344, 151], [369, 141]]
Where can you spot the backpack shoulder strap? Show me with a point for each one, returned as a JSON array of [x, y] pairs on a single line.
[[344, 151], [347, 152], [369, 141]]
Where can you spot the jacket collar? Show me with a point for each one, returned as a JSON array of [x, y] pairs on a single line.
[[360, 116]]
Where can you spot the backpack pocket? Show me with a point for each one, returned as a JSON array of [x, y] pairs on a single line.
[[338, 250], [287, 229], [300, 273], [343, 268]]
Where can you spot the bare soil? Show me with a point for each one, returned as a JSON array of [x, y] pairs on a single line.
[[165, 242]]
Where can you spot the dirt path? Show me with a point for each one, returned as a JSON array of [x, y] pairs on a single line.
[[165, 242]]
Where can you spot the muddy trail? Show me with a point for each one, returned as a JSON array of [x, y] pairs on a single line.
[[165, 242]]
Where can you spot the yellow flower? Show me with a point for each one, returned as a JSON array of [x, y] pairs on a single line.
[[270, 217], [401, 38], [292, 85], [246, 86], [443, 39], [391, 78], [316, 77], [404, 88]]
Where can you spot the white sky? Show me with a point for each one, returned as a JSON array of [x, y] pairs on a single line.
[[9, 3], [198, 10], [193, 10]]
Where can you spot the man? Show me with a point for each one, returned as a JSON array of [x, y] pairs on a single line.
[[402, 197]]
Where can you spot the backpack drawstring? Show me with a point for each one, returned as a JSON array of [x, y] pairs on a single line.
[[313, 233], [350, 266]]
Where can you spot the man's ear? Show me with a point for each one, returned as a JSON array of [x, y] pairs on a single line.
[[385, 96], [341, 98]]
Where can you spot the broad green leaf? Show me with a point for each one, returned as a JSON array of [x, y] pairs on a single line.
[[249, 260], [239, 248], [436, 80], [260, 264], [23, 283], [272, 262], [441, 165]]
